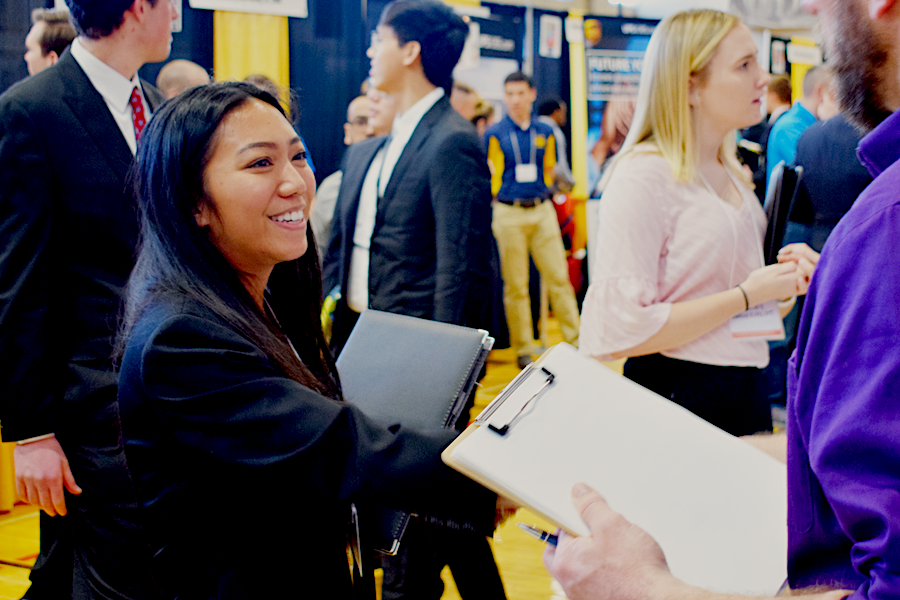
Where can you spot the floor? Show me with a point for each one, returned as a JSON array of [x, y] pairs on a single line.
[[518, 555]]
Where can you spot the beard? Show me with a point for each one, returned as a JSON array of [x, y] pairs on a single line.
[[857, 57]]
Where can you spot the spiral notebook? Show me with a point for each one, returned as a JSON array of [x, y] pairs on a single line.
[[419, 373]]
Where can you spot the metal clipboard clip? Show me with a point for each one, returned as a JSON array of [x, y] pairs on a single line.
[[510, 389]]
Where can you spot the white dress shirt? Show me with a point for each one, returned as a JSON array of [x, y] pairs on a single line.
[[115, 89], [379, 175]]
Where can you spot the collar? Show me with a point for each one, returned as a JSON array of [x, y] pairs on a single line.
[[516, 125], [778, 112], [114, 88], [405, 124], [881, 147], [548, 121], [804, 112]]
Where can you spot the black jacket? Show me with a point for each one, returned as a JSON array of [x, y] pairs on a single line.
[[68, 231], [431, 248], [212, 427]]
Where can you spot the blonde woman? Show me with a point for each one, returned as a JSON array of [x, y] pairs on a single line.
[[680, 239]]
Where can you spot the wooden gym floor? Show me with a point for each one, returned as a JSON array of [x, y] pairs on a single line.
[[518, 555]]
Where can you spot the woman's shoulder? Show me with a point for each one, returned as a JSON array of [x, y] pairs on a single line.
[[643, 172], [644, 163], [172, 320]]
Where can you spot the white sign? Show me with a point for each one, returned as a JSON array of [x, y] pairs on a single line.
[[287, 8], [550, 45], [575, 30], [801, 54], [471, 54]]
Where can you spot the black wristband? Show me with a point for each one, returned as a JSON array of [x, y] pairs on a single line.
[[746, 300]]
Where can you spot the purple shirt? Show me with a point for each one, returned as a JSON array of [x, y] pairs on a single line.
[[844, 396]]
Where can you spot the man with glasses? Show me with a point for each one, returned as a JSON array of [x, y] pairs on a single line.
[[412, 235], [356, 129]]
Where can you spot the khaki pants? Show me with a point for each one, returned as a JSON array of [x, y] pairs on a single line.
[[520, 231]]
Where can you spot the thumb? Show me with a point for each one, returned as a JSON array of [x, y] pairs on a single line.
[[69, 481], [588, 502]]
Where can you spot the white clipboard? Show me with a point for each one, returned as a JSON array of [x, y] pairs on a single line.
[[716, 505]]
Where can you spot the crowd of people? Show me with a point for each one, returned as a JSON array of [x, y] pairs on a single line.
[[161, 299]]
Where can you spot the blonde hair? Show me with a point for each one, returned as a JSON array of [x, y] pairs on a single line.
[[681, 47]]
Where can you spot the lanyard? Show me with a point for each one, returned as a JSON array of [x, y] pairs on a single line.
[[386, 146], [514, 140], [734, 231], [274, 318]]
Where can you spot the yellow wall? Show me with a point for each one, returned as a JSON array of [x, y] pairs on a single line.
[[7, 477], [578, 141], [798, 70], [244, 44]]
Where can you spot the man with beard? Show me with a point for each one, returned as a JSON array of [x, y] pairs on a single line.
[[843, 414]]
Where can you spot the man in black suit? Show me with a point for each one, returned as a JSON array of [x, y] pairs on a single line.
[[412, 235], [68, 232], [411, 231]]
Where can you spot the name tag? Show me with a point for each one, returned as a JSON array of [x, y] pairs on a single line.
[[526, 173], [760, 322]]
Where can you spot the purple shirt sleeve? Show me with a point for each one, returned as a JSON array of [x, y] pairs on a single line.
[[844, 409]]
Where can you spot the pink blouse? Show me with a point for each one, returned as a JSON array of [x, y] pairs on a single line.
[[660, 242]]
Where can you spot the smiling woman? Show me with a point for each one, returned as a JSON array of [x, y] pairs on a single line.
[[259, 191], [227, 391]]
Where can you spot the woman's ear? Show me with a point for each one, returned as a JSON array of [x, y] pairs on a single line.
[[693, 94], [201, 214]]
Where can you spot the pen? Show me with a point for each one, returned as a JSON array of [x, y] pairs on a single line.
[[539, 534]]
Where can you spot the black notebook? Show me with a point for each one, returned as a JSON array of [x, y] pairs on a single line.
[[781, 196], [414, 372]]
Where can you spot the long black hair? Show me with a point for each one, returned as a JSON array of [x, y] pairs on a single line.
[[177, 257]]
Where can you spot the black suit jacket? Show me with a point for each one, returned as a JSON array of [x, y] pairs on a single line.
[[68, 231], [431, 248], [210, 422]]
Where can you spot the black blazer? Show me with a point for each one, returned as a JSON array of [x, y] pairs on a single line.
[[431, 248], [212, 426], [68, 230]]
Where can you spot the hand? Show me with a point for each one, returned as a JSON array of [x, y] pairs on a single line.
[[506, 508], [42, 471], [774, 282], [805, 257], [618, 561]]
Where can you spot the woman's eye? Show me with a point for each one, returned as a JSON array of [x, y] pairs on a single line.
[[300, 155], [262, 162]]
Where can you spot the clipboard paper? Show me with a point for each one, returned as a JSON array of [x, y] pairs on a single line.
[[716, 505]]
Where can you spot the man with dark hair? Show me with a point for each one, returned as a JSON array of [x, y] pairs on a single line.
[[464, 99], [68, 231], [553, 113], [411, 235], [51, 33], [412, 223], [523, 154]]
